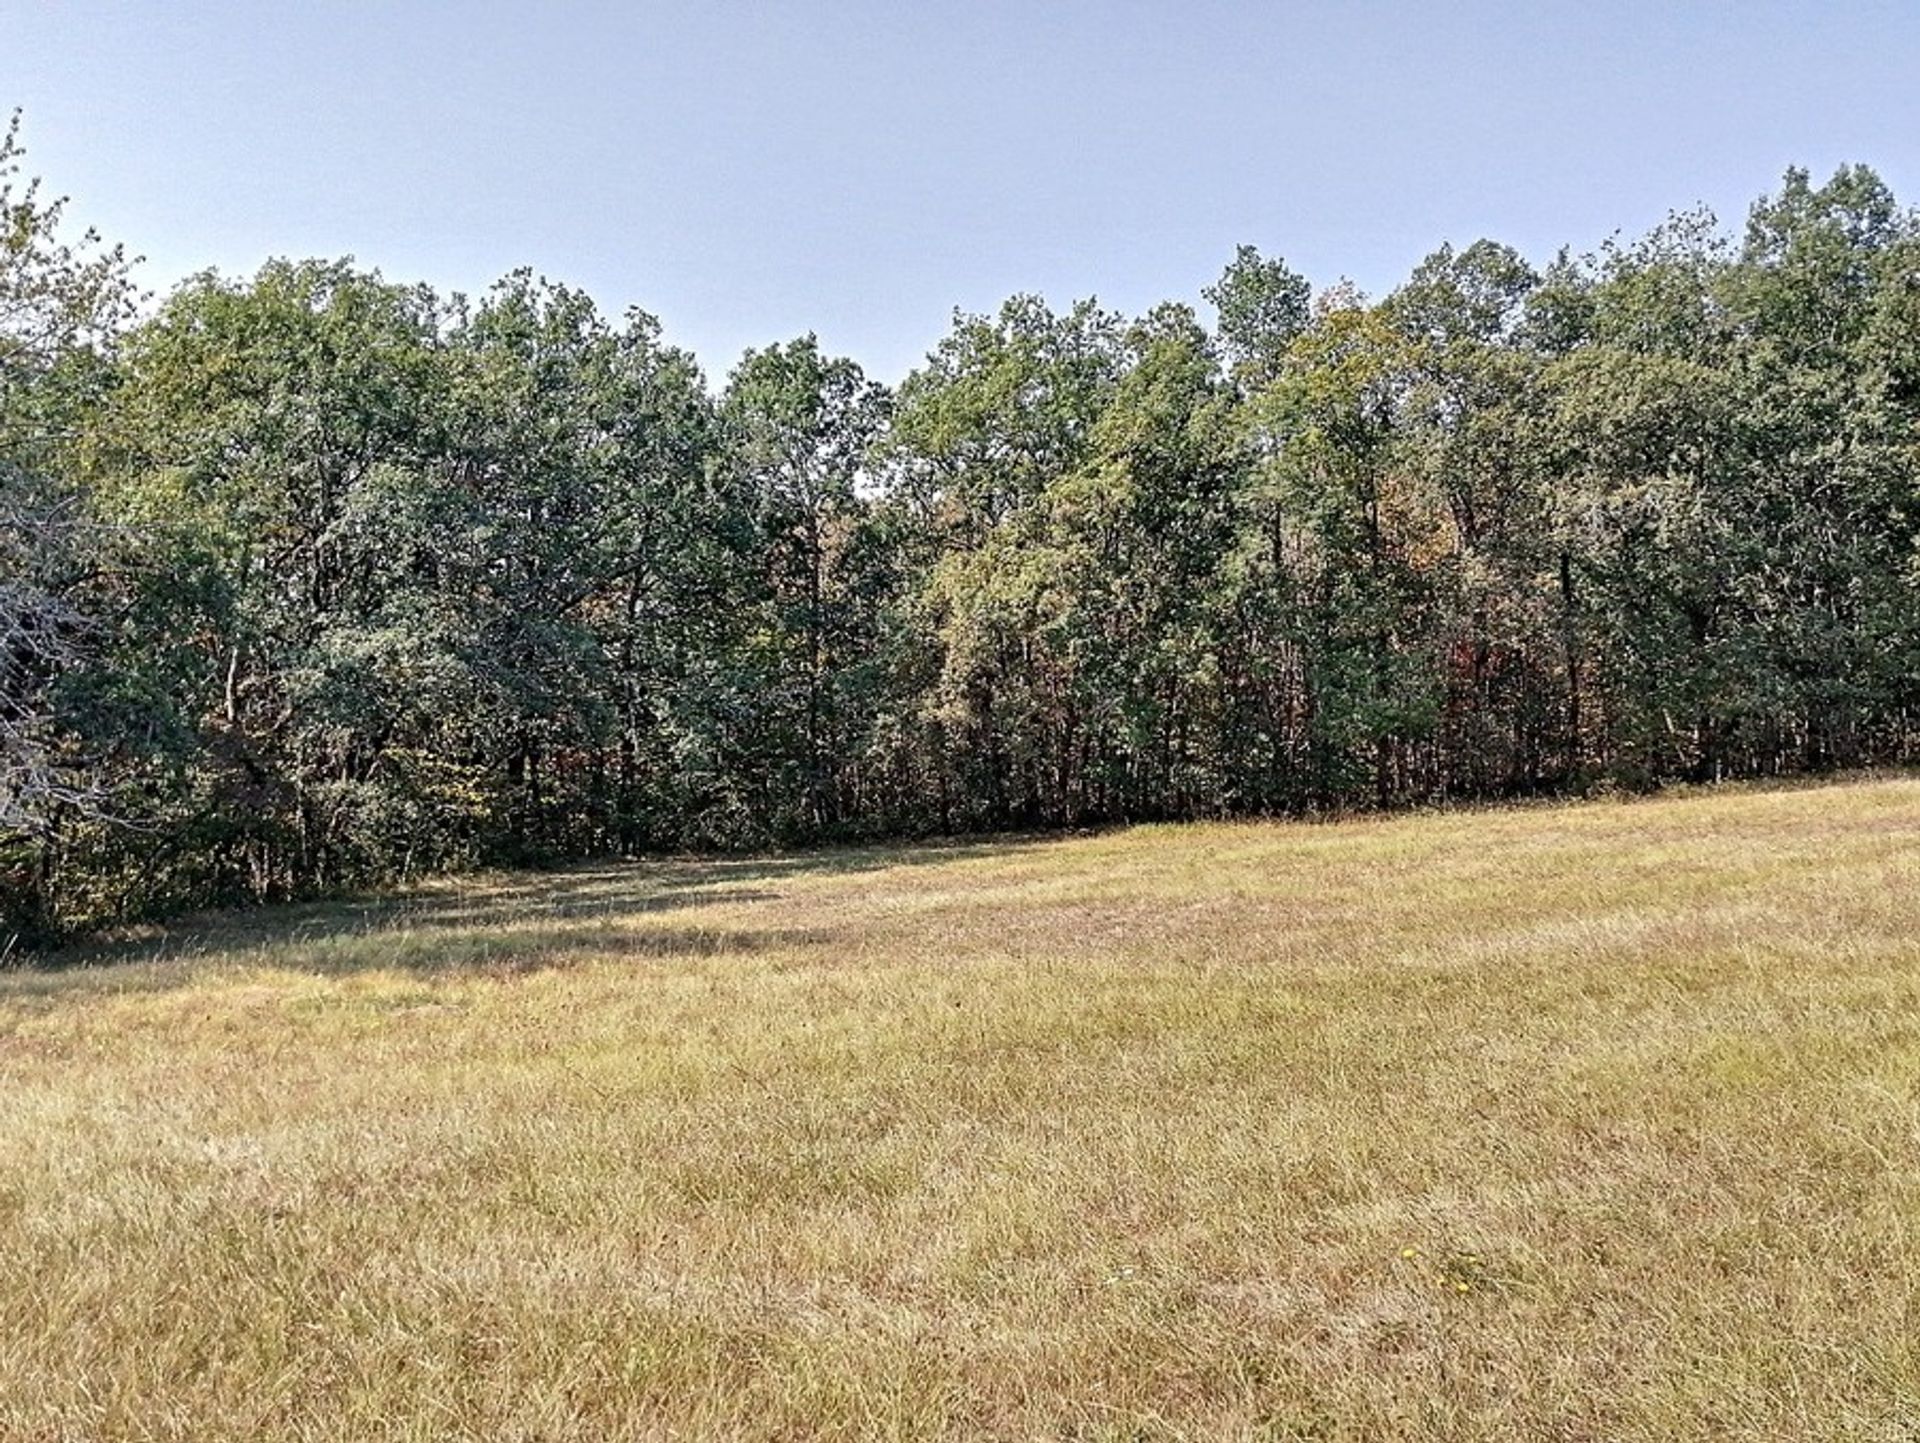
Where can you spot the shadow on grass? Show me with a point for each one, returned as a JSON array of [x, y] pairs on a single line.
[[498, 924]]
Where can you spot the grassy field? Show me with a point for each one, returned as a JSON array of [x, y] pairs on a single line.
[[1593, 1122]]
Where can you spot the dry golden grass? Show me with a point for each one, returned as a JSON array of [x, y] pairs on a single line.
[[1595, 1122]]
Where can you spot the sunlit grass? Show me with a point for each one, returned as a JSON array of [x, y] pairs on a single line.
[[1592, 1122]]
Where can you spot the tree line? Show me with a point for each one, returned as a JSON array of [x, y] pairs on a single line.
[[314, 580]]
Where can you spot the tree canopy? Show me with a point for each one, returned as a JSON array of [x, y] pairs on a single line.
[[312, 580]]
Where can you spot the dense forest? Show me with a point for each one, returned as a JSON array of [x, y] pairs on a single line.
[[315, 580]]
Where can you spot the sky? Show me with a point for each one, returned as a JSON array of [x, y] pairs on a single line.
[[753, 172]]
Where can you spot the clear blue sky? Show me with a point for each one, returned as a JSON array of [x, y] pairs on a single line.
[[751, 172]]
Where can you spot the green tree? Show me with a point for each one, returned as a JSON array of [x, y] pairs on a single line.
[[63, 303], [801, 426], [1262, 305]]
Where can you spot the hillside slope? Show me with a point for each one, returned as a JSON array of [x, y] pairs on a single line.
[[1584, 1122]]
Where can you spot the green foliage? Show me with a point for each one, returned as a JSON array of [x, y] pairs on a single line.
[[1262, 306], [315, 580], [62, 303]]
